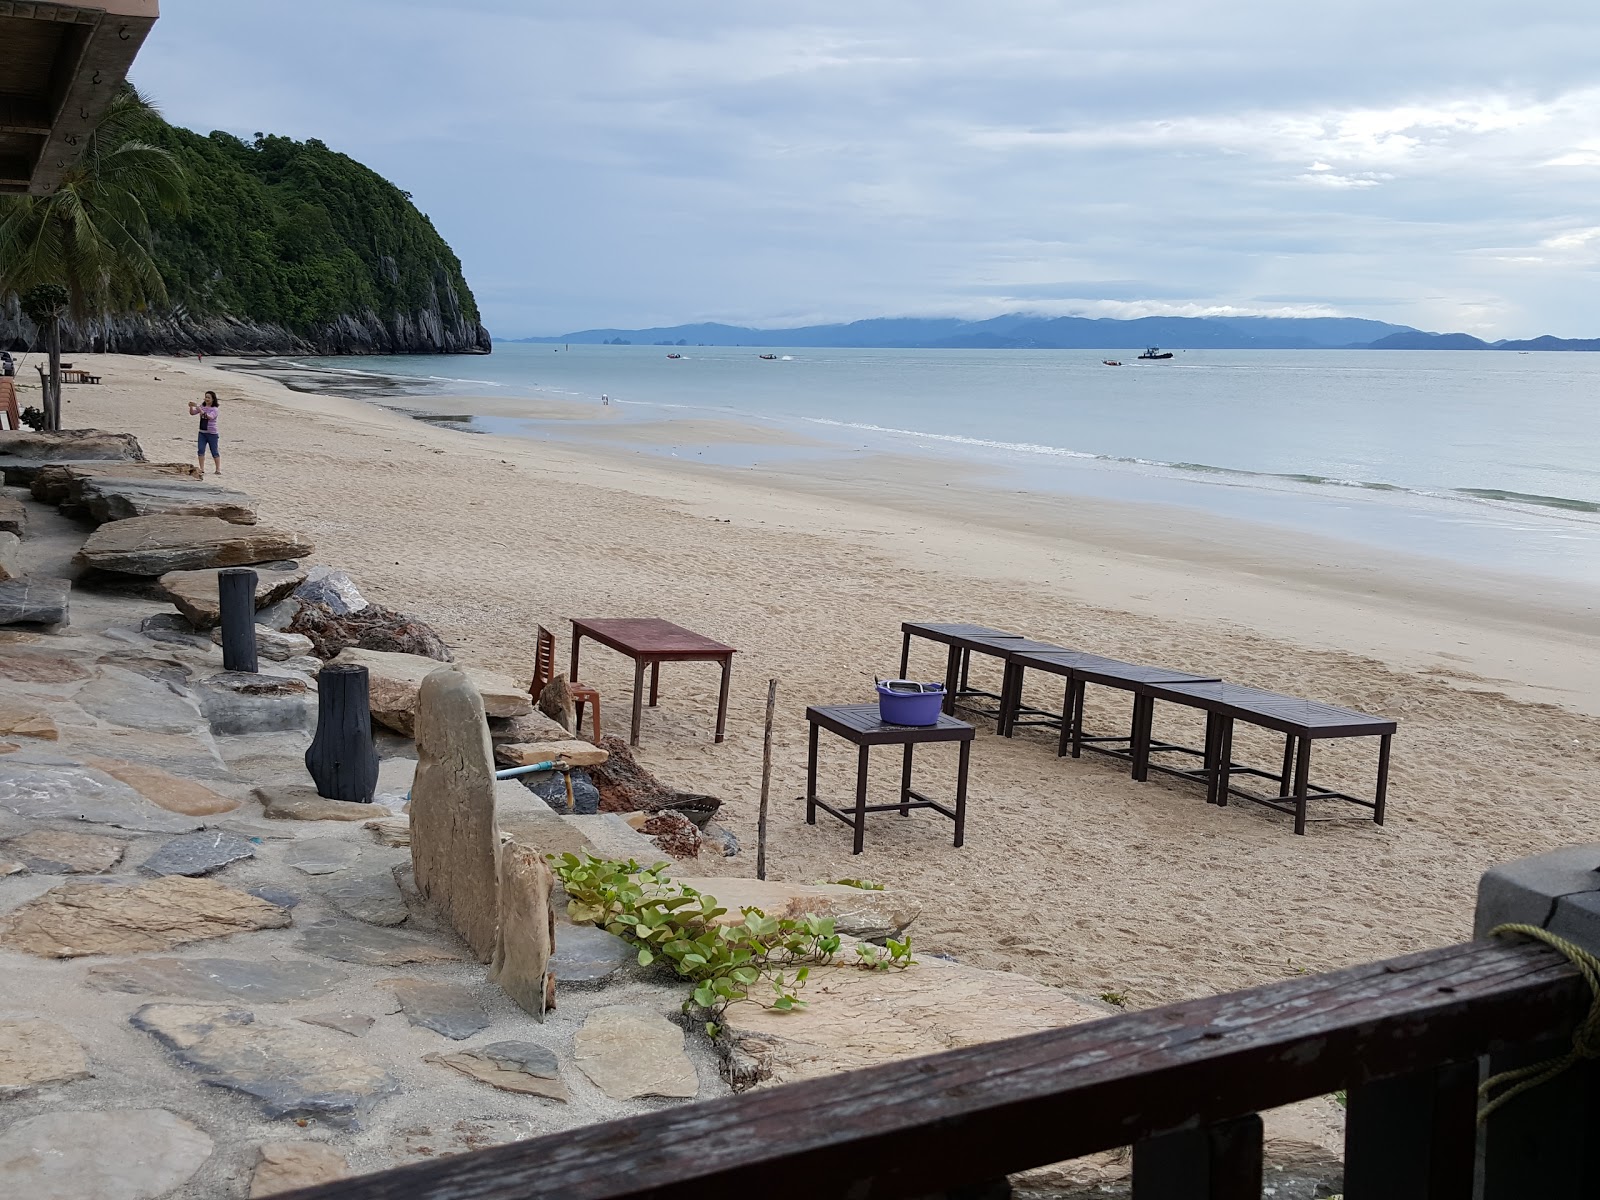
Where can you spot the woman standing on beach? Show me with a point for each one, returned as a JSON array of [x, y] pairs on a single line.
[[206, 410]]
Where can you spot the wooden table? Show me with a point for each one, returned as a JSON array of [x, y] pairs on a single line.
[[962, 642], [1300, 721], [1139, 680], [650, 641], [859, 724], [1014, 712]]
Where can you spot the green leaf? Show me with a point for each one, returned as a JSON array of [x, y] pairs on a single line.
[[645, 957]]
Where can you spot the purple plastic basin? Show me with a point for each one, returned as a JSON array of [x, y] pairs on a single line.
[[910, 708]]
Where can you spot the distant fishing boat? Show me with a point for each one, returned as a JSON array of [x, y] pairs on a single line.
[[675, 355], [767, 356], [1155, 352], [1111, 362]]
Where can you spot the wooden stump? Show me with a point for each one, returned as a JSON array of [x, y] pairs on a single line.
[[236, 596], [341, 758]]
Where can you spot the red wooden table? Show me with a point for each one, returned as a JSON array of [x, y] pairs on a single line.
[[650, 641]]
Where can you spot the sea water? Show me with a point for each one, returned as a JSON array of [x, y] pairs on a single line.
[[1490, 458]]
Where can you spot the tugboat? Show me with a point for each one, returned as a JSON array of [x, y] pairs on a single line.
[[1156, 352], [767, 356]]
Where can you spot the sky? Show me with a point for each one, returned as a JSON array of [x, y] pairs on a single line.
[[1432, 162]]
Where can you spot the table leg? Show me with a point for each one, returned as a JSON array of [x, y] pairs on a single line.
[[1210, 759], [905, 654], [1077, 717], [1144, 708], [638, 701], [905, 781], [722, 698], [572, 675], [1383, 779], [1224, 759], [861, 800], [655, 682], [961, 791], [1288, 765], [811, 776], [952, 673], [966, 667], [1302, 781], [1009, 700], [1065, 740]]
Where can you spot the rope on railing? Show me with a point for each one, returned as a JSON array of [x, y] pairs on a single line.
[[1585, 1038]]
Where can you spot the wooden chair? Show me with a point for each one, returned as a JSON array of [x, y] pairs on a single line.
[[544, 670]]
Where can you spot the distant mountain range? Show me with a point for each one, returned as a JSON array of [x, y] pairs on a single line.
[[1022, 331]]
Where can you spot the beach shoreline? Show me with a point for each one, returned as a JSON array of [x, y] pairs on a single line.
[[1072, 873]]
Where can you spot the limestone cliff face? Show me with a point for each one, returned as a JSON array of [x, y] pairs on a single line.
[[439, 328]]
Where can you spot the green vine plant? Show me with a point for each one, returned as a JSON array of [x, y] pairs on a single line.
[[760, 958]]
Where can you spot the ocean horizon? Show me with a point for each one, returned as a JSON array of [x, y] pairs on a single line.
[[1483, 460]]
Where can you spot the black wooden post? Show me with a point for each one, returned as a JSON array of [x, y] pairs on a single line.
[[1413, 1137], [236, 594], [342, 759], [1214, 1162]]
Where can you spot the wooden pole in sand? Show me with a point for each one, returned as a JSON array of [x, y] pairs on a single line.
[[766, 782], [236, 597]]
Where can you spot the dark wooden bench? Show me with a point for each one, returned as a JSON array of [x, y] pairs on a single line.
[[1301, 722], [962, 641], [1054, 662]]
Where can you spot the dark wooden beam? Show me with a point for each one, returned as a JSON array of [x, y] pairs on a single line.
[[929, 1125]]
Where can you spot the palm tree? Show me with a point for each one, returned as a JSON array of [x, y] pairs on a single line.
[[91, 236]]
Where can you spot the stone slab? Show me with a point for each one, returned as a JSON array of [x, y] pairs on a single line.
[[239, 702], [195, 593], [164, 789], [522, 1067], [67, 445], [526, 754], [321, 856], [291, 1071], [59, 852], [26, 666], [55, 791], [445, 1008], [35, 600], [54, 482], [268, 981], [77, 919], [395, 680], [300, 802], [159, 545], [119, 1154], [198, 854], [119, 497], [36, 1053], [13, 516], [630, 1052], [1525, 891], [368, 894], [371, 946], [391, 831], [589, 957], [288, 1166], [137, 701], [27, 721]]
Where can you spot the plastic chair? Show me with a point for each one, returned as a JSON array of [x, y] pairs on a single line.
[[544, 670]]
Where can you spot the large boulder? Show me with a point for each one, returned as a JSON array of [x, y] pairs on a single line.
[[34, 600], [24, 451], [394, 681], [333, 589], [116, 498], [196, 596], [55, 483], [371, 627], [158, 545]]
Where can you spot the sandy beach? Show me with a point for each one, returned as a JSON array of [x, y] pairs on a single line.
[[1071, 873]]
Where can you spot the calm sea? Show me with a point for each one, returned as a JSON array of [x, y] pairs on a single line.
[[1487, 458]]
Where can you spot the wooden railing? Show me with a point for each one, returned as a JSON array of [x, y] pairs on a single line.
[[1182, 1085]]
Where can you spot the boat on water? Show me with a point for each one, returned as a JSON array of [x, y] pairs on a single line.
[[1156, 352], [674, 356], [1111, 362], [767, 356]]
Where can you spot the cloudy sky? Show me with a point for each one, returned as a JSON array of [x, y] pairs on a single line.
[[1430, 162]]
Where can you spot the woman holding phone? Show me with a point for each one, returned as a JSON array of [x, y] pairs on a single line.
[[206, 410]]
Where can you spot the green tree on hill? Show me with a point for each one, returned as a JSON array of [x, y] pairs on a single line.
[[91, 237]]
